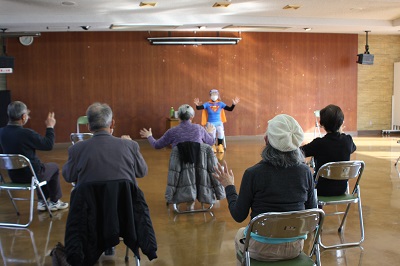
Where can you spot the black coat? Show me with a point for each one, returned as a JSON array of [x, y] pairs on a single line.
[[102, 212]]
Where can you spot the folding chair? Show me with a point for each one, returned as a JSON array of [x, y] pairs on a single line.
[[13, 162], [75, 137], [286, 225], [188, 182], [397, 161], [86, 244], [82, 120], [343, 170]]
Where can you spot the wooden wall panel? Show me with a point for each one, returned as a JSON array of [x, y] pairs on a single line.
[[272, 73]]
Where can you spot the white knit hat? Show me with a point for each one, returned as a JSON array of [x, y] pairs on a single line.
[[284, 133]]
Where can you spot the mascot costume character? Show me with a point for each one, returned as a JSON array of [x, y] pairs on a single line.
[[214, 113]]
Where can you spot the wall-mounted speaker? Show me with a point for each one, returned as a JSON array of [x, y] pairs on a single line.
[[5, 99], [365, 59], [6, 64]]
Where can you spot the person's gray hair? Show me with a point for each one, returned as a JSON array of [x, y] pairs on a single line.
[[99, 116], [15, 110], [282, 159], [185, 112]]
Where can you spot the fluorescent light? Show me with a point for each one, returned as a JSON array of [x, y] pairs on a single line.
[[19, 34], [139, 27], [193, 40]]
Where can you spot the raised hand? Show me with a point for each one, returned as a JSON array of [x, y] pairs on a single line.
[[50, 121], [236, 100], [223, 174], [197, 101], [144, 133]]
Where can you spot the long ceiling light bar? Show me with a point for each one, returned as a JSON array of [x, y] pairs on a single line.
[[19, 34], [193, 40]]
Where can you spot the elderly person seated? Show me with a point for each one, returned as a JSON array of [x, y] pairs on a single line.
[[280, 182], [335, 146], [185, 131]]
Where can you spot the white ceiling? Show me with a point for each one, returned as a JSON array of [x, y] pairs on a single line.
[[322, 16]]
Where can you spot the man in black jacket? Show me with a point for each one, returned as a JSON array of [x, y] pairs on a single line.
[[15, 139]]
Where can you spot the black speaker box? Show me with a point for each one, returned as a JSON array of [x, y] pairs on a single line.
[[365, 59], [6, 61], [5, 99]]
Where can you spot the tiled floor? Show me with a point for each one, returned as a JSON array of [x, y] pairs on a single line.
[[207, 238]]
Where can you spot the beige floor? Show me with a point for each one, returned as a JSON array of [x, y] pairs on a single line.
[[207, 238]]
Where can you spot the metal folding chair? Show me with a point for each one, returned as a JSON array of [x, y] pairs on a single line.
[[343, 170], [17, 161], [82, 120], [201, 191], [75, 137], [286, 225]]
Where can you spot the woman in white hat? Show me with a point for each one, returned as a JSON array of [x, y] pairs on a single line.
[[280, 182]]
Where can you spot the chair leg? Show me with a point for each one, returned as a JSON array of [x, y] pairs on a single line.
[[317, 255], [344, 218], [397, 161], [137, 261], [44, 198], [10, 196], [341, 231], [13, 202], [203, 209], [127, 254], [224, 142]]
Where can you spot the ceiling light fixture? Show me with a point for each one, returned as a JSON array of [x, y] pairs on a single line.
[[254, 28], [57, 28], [19, 34], [193, 40], [148, 4], [307, 29], [291, 7], [222, 4], [68, 3], [140, 27]]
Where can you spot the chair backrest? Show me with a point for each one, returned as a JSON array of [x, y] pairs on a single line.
[[14, 161], [342, 170], [75, 137], [286, 224], [82, 120]]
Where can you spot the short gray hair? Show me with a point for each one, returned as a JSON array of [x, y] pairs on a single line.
[[15, 110], [282, 159], [185, 112], [99, 116]]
